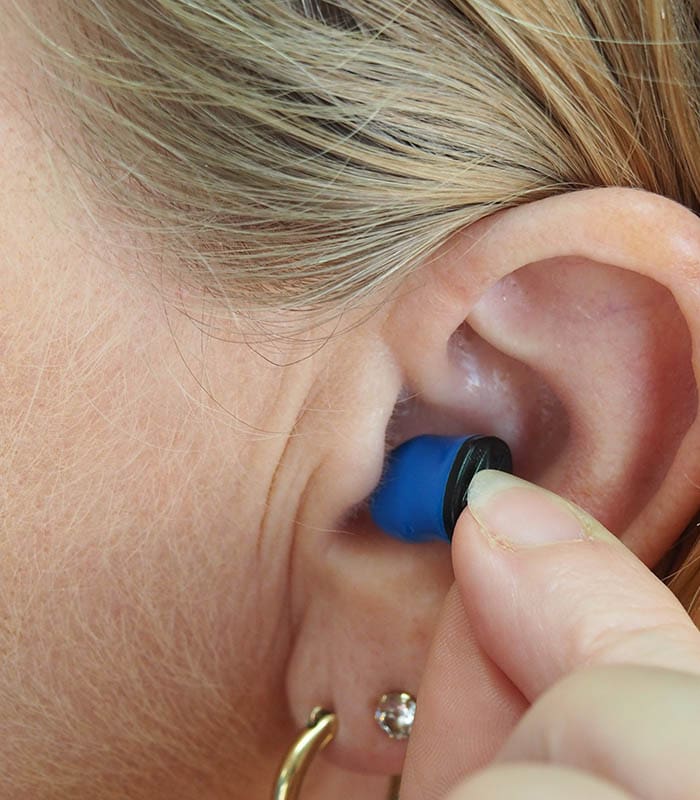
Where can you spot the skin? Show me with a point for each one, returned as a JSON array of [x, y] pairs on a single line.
[[602, 658], [152, 481], [185, 563]]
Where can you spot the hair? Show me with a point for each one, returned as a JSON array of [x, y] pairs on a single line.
[[302, 155]]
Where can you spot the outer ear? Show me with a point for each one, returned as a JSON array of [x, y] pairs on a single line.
[[569, 326]]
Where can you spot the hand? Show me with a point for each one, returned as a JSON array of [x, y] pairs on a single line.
[[562, 664]]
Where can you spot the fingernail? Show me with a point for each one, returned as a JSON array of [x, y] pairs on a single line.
[[518, 514]]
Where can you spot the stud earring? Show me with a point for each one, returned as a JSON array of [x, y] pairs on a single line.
[[395, 714]]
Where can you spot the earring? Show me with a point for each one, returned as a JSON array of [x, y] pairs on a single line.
[[319, 731], [394, 714]]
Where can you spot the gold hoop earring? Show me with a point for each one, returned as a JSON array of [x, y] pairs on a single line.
[[320, 730]]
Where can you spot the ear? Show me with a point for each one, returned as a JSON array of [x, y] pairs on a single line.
[[570, 327]]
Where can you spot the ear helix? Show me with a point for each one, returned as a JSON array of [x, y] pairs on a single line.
[[424, 486]]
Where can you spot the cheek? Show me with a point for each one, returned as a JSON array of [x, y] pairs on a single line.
[[129, 588], [118, 569]]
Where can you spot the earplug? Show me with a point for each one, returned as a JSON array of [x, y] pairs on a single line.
[[424, 486]]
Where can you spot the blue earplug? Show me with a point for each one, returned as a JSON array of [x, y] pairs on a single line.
[[424, 486]]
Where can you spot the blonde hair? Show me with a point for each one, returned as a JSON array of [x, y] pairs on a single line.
[[305, 154]]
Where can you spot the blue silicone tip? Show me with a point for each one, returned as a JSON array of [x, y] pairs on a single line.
[[423, 488]]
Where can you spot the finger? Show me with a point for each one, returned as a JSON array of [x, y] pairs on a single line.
[[466, 709], [633, 726], [530, 781], [548, 590]]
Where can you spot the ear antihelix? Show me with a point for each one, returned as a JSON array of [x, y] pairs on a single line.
[[424, 486]]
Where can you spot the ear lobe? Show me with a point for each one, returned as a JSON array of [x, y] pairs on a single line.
[[371, 610], [584, 304]]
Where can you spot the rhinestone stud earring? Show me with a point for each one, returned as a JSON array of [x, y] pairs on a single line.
[[395, 714]]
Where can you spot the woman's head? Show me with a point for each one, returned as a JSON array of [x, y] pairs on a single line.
[[245, 249]]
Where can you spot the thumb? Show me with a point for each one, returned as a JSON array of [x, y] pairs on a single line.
[[548, 590]]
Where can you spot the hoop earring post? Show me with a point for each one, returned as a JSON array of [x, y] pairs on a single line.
[[394, 786]]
